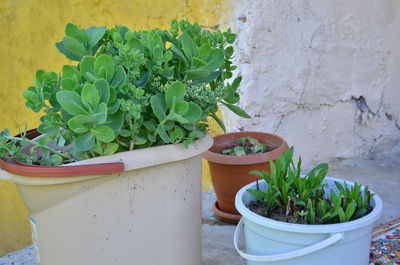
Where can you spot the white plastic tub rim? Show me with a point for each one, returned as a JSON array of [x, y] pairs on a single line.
[[135, 159], [335, 232]]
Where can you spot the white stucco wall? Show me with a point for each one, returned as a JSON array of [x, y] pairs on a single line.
[[325, 75]]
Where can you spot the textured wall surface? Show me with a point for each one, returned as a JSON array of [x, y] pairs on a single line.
[[325, 75], [29, 30]]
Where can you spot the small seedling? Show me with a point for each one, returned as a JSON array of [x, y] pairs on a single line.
[[290, 196], [245, 146]]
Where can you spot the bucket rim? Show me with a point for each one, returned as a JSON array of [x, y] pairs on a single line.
[[278, 144], [104, 165], [366, 220]]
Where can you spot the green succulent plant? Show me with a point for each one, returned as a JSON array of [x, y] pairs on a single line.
[[245, 146], [306, 200], [129, 90]]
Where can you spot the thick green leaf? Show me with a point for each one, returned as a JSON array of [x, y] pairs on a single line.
[[136, 44], [77, 126], [176, 117], [78, 89], [205, 51], [104, 67], [219, 121], [69, 71], [119, 77], [166, 72], [60, 46], [237, 110], [139, 140], [259, 195], [113, 107], [188, 45], [231, 96], [197, 62], [111, 148], [95, 34], [168, 125], [71, 30], [360, 213], [181, 107], [117, 38], [115, 122], [197, 74], [55, 159], [85, 142], [209, 79], [216, 59], [235, 84], [163, 134], [113, 94], [103, 89], [70, 102], [53, 101], [86, 119], [180, 55], [174, 93], [342, 215], [68, 83], [167, 56], [87, 66], [144, 79], [159, 106], [103, 133], [100, 114], [193, 114], [351, 208], [239, 151], [229, 52], [90, 95], [158, 55], [177, 135], [74, 46], [150, 125]]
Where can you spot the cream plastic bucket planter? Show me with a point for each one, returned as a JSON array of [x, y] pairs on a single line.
[[273, 242], [148, 215]]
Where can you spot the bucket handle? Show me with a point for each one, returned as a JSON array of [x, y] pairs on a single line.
[[335, 237]]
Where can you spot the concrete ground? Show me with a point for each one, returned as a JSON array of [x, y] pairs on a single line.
[[382, 176]]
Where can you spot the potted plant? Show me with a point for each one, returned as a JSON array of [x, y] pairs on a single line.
[[290, 219], [231, 158], [112, 173]]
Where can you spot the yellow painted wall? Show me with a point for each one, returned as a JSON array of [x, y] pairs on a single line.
[[29, 29]]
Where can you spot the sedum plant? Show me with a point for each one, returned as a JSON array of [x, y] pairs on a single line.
[[128, 90], [245, 146], [306, 200]]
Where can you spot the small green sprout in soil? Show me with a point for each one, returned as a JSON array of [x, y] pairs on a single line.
[[245, 146], [292, 198]]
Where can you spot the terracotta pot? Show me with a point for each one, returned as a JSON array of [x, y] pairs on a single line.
[[230, 173]]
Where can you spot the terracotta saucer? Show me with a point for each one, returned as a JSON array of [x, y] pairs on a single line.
[[224, 216]]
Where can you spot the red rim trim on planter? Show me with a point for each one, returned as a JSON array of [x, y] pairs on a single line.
[[22, 169]]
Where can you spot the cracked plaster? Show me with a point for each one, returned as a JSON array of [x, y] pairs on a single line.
[[323, 75]]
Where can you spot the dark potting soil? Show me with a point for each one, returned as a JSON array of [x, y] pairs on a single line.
[[229, 149], [277, 214]]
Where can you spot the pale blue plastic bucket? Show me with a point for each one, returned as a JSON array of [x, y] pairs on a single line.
[[273, 242]]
